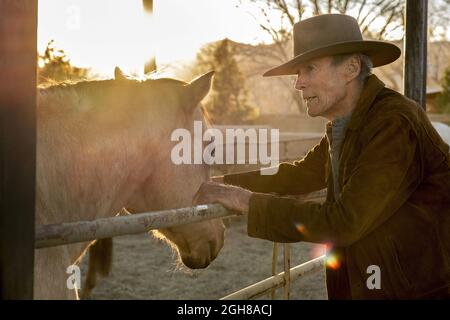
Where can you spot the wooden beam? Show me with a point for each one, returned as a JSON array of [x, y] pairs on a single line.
[[18, 34], [415, 50], [148, 5], [150, 65]]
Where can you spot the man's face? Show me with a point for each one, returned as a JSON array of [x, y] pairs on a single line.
[[323, 86]]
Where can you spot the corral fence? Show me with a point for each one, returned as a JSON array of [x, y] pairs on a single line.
[[82, 231], [73, 232]]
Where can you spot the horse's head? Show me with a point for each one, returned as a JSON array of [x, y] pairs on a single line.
[[176, 105]]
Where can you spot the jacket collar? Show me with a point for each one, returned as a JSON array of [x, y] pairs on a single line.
[[371, 89]]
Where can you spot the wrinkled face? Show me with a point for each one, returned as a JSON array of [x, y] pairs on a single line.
[[323, 86], [168, 185]]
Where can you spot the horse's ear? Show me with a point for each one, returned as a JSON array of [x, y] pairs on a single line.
[[118, 74], [199, 87]]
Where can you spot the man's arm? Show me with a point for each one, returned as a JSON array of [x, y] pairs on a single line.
[[386, 175], [299, 177]]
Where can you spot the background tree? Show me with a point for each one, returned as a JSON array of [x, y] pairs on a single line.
[[378, 19], [368, 13], [228, 100], [54, 66], [443, 100]]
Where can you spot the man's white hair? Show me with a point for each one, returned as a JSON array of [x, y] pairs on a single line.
[[366, 64]]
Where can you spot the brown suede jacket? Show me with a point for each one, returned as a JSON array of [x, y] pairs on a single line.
[[393, 210]]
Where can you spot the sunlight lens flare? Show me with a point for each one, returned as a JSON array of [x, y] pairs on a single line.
[[317, 251], [301, 228], [332, 262]]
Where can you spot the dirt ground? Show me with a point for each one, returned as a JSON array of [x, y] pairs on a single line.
[[146, 268]]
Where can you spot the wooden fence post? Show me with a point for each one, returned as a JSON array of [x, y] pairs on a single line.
[[415, 50], [18, 34]]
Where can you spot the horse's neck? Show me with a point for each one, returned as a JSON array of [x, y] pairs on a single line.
[[87, 178], [83, 180]]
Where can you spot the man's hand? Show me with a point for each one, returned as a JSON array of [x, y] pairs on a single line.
[[231, 197]]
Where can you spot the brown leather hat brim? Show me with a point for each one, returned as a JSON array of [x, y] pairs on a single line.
[[380, 52]]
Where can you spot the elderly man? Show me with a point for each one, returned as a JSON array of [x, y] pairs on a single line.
[[385, 168]]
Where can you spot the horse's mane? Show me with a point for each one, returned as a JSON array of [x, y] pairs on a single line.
[[67, 95]]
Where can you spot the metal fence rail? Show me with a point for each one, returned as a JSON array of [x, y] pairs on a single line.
[[72, 232], [265, 286], [65, 233]]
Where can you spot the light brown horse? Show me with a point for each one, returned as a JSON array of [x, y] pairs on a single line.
[[104, 146]]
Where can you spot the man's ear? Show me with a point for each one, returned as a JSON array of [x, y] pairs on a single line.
[[353, 67]]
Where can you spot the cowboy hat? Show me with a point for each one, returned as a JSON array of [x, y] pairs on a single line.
[[333, 34]]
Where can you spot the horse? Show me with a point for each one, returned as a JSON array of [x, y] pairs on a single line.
[[104, 146]]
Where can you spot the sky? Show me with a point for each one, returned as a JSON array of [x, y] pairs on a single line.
[[106, 33], [102, 34]]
